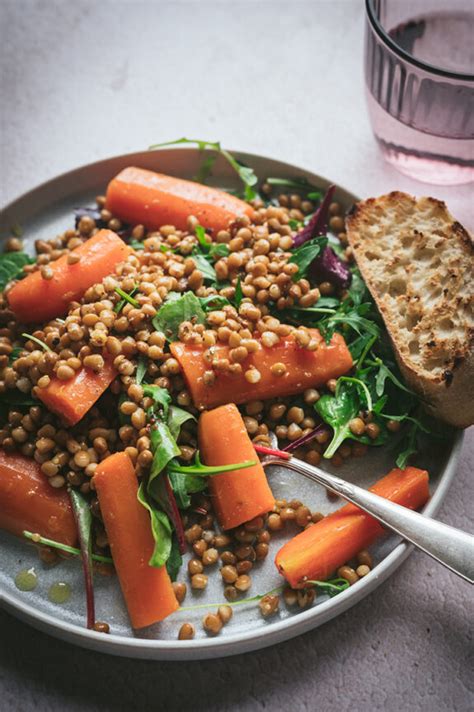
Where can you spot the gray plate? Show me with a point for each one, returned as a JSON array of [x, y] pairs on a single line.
[[42, 213]]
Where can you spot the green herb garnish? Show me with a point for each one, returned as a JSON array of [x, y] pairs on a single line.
[[44, 346], [303, 256], [176, 309], [125, 298], [11, 266], [245, 173]]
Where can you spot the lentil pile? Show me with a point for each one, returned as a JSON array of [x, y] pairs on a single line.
[[106, 327]]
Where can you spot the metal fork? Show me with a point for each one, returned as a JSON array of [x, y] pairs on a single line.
[[449, 546]]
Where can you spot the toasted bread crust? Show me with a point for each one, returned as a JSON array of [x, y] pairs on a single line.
[[418, 264]]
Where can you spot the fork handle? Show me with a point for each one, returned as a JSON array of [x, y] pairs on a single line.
[[449, 546]]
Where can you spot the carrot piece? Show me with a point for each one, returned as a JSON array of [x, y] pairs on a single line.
[[136, 195], [304, 369], [147, 590], [240, 495], [318, 551], [73, 398], [36, 299], [27, 501]]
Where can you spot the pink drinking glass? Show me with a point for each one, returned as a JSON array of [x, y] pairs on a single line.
[[419, 75]]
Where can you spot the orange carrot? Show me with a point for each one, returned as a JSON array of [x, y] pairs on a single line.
[[304, 369], [73, 398], [147, 590], [239, 495], [36, 299], [27, 501], [153, 199], [318, 551]]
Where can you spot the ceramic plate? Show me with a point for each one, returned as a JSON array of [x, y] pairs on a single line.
[[48, 210]]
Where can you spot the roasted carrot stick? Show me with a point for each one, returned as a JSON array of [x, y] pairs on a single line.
[[318, 551], [240, 495], [147, 590], [27, 501], [73, 398], [304, 369], [36, 299], [153, 199]]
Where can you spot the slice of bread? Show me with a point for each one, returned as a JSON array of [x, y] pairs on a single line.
[[418, 264]]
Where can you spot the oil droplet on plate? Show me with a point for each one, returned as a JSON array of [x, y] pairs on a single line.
[[26, 580], [59, 592]]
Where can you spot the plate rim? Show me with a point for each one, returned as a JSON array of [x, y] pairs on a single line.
[[247, 641]]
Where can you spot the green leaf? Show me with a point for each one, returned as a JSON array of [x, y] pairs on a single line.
[[239, 295], [204, 243], [160, 528], [11, 266], [175, 560], [40, 343], [161, 400], [176, 419], [83, 518], [136, 245], [164, 449], [359, 384], [218, 250], [126, 297], [299, 184], [175, 310], [213, 301], [331, 587], [209, 470], [303, 256], [16, 353], [141, 369], [383, 373], [204, 266], [245, 173]]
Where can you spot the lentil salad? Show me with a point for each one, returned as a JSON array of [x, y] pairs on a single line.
[[174, 252]]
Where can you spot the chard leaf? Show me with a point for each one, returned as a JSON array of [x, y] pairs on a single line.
[[83, 519], [318, 224], [175, 310], [160, 528], [164, 449], [303, 256]]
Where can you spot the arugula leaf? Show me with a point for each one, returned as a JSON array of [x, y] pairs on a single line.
[[204, 266], [11, 266], [383, 373], [141, 369], [245, 173], [175, 310], [303, 256], [83, 519], [125, 298], [331, 587], [202, 239], [176, 419], [136, 245], [160, 528]]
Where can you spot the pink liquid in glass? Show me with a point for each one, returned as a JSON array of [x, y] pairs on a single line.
[[420, 93]]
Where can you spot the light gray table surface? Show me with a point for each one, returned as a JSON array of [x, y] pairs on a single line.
[[84, 80]]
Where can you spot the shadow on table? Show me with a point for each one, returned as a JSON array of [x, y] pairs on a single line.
[[291, 675]]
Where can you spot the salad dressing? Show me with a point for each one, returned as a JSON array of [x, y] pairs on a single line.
[[26, 580]]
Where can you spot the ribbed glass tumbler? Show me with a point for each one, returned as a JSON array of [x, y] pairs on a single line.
[[419, 74]]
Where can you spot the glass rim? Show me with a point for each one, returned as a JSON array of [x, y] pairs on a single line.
[[385, 37]]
